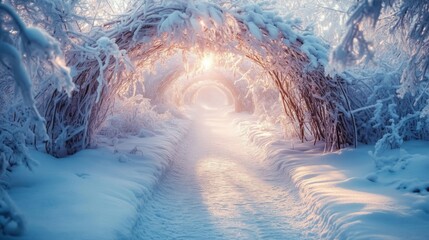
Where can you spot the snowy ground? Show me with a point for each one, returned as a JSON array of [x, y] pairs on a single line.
[[347, 195], [95, 193], [231, 178], [219, 188]]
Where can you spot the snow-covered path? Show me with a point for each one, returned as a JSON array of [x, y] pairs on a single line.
[[218, 188]]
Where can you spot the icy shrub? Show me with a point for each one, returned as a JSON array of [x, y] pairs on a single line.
[[397, 91], [388, 119], [133, 116]]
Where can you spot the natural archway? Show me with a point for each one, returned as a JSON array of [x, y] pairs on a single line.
[[315, 102], [191, 92], [212, 77], [211, 97]]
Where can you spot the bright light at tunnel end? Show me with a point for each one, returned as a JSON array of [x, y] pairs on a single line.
[[207, 61]]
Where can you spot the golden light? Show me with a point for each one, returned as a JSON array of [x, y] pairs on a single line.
[[207, 61], [202, 23]]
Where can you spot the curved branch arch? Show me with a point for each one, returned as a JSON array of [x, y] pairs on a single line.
[[190, 90], [191, 94], [294, 60], [214, 77]]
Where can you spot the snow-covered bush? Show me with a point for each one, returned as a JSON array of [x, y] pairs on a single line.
[[23, 51], [133, 116], [389, 42]]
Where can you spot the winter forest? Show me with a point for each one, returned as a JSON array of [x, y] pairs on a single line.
[[187, 119]]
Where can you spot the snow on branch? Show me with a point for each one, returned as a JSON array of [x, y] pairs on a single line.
[[294, 59], [400, 76]]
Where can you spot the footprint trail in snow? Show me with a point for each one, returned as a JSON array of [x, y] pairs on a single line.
[[218, 188]]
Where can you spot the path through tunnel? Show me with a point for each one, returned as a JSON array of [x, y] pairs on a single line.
[[270, 61], [220, 187]]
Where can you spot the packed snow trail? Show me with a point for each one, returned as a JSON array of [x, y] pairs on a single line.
[[218, 188]]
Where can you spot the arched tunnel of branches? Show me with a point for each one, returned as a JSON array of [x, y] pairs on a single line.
[[194, 93], [75, 76], [186, 89], [316, 103]]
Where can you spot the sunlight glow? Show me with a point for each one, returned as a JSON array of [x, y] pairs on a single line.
[[208, 61], [202, 23]]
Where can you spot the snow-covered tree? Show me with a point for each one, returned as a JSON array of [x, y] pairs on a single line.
[[386, 47], [23, 51]]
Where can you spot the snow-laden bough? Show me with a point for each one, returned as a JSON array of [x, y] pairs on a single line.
[[294, 59]]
